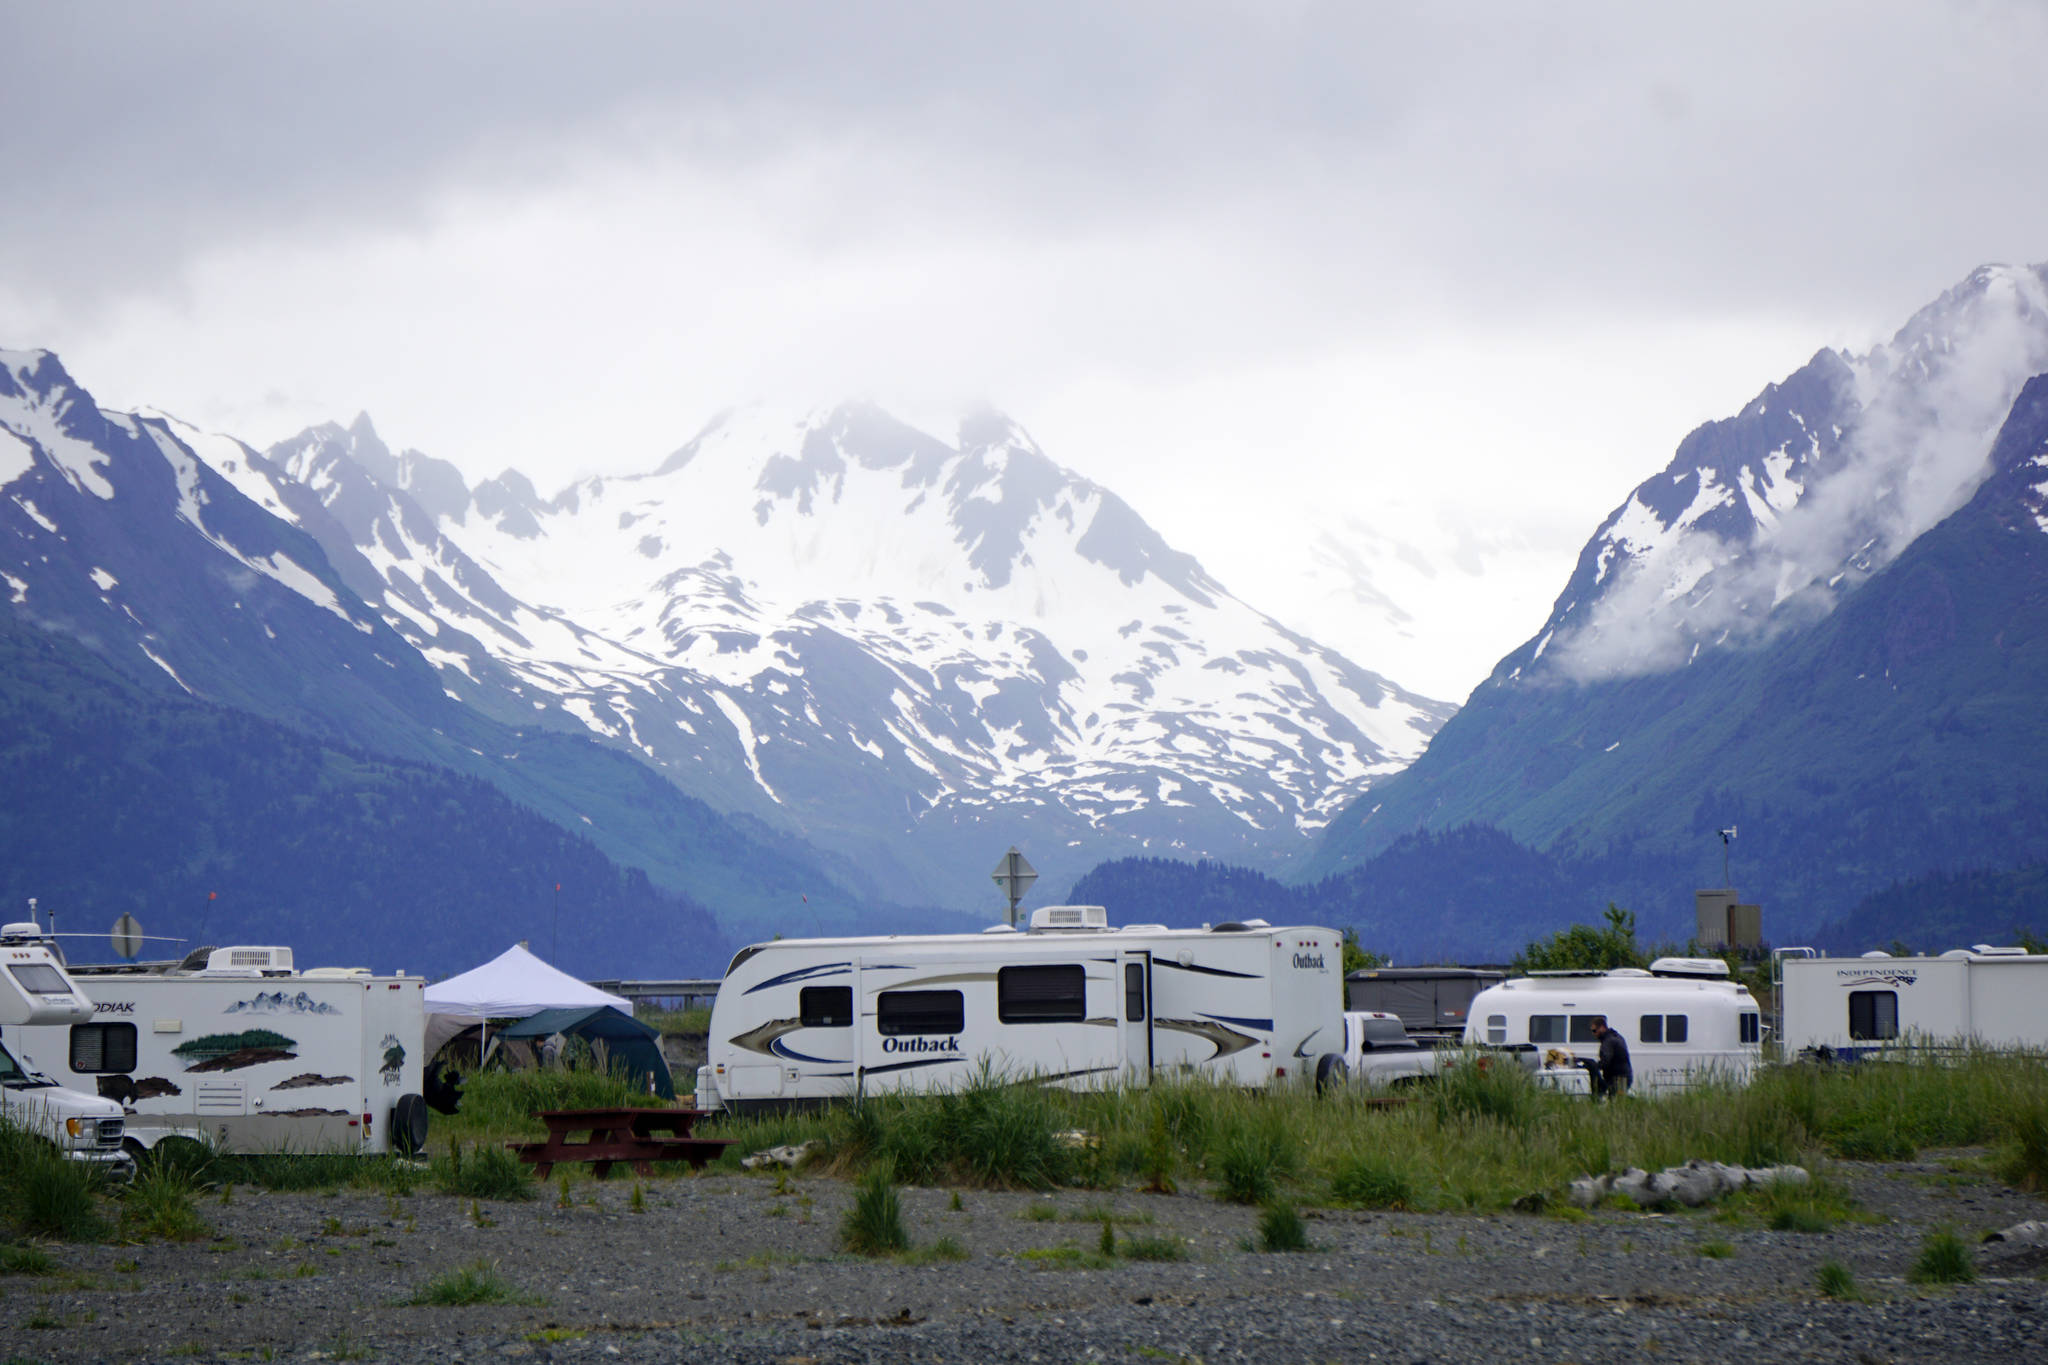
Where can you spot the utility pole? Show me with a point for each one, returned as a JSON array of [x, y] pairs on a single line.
[[1727, 838]]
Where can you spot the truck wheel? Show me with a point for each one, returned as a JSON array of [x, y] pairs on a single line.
[[1330, 1071], [409, 1125]]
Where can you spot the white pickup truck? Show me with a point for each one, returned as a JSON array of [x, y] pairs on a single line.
[[34, 989], [1379, 1053]]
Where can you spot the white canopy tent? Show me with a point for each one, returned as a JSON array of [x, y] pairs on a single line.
[[511, 985]]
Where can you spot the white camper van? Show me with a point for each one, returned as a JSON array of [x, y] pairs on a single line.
[[1686, 1023], [36, 990], [242, 1052], [1847, 1007], [1071, 1002]]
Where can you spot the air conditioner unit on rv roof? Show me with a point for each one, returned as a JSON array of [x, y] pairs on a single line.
[[1069, 918], [249, 959]]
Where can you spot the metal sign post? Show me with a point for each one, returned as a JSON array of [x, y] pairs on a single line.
[[1014, 875]]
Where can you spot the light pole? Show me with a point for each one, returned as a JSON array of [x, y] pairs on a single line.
[[1727, 838]]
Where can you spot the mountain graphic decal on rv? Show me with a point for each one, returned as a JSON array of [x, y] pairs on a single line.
[[394, 1059], [277, 1002], [233, 1051], [1874, 976]]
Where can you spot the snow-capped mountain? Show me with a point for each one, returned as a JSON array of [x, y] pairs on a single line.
[[911, 651], [1762, 521]]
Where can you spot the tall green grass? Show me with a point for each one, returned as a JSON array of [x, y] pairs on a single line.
[[1481, 1141]]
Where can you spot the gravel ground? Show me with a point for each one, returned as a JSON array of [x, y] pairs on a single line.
[[725, 1268]]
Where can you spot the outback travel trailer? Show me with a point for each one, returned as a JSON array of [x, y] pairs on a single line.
[[1069, 1002], [241, 1051], [35, 989], [1846, 1007], [1686, 1023]]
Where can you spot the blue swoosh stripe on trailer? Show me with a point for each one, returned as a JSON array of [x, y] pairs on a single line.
[[906, 1066], [1205, 971], [1265, 1025], [802, 974], [781, 1049]]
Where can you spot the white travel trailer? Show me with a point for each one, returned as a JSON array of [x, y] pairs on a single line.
[[1847, 1007], [36, 990], [1070, 1002], [1685, 1022], [246, 1054]]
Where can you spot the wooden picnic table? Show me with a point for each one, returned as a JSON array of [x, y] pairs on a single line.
[[630, 1135]]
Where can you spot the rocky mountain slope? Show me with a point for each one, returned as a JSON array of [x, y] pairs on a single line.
[[909, 652]]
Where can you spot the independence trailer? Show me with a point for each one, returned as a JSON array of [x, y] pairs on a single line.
[[246, 1054], [1847, 1007], [36, 990], [1070, 1002], [1684, 1021]]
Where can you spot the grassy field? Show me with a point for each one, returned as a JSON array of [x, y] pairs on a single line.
[[1479, 1140]]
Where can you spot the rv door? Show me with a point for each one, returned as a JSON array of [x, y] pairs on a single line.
[[1134, 998]]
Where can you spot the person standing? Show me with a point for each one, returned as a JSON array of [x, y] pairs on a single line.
[[1615, 1074]]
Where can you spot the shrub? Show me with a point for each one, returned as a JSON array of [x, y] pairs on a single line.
[[2023, 1158], [1943, 1259], [159, 1203], [473, 1284], [1153, 1249], [1483, 1088], [22, 1260], [1281, 1228], [1253, 1154], [486, 1171], [874, 1225], [945, 1249], [1367, 1184], [1835, 1281], [51, 1196]]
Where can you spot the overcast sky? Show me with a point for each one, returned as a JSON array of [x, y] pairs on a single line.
[[1347, 300]]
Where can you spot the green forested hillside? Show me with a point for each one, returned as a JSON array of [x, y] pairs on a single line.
[[119, 799]]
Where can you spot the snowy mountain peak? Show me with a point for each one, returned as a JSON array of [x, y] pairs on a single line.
[[1762, 520], [846, 625]]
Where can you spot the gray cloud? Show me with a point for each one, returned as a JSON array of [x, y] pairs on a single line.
[[1481, 159]]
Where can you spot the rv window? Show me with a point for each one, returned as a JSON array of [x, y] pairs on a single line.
[[1677, 1028], [825, 1006], [1042, 995], [40, 978], [1546, 1028], [106, 1048], [1497, 1028], [1747, 1027], [1582, 1028], [920, 1012], [1873, 1015], [1650, 1029], [1134, 992]]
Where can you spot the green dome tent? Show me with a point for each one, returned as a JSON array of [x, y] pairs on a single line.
[[630, 1046]]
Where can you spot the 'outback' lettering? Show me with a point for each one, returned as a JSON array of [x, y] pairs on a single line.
[[920, 1045], [1314, 960]]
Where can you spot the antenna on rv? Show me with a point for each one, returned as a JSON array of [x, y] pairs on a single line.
[[1727, 838]]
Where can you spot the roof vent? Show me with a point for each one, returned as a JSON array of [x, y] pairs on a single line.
[[1986, 950], [1628, 971], [1877, 952], [1690, 966], [1000, 929], [1144, 929], [1070, 919], [249, 959]]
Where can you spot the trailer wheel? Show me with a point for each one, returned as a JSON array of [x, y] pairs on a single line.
[[1330, 1071], [409, 1125]]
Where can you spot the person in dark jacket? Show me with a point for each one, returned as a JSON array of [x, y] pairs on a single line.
[[1614, 1074]]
